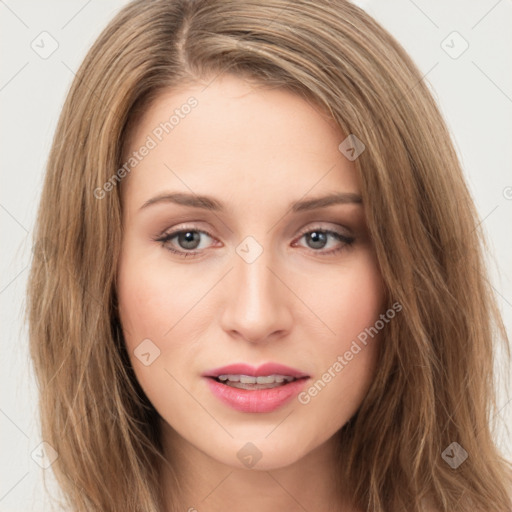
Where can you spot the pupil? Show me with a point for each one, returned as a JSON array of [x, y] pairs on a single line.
[[318, 239], [188, 238]]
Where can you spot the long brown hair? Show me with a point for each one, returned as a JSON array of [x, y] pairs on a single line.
[[434, 384]]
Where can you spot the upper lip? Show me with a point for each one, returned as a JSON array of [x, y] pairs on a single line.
[[252, 371]]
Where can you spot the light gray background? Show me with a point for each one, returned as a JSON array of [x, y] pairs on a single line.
[[474, 92]]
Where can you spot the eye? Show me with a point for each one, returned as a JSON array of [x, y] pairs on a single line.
[[318, 238], [187, 239]]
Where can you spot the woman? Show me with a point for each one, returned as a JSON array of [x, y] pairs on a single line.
[[259, 281]]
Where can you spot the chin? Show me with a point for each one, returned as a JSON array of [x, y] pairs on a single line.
[[262, 454]]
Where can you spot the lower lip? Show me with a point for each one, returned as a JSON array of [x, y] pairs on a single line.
[[257, 400]]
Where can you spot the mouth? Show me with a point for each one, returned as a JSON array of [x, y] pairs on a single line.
[[256, 390]]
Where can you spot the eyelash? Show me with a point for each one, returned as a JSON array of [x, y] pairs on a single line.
[[167, 237]]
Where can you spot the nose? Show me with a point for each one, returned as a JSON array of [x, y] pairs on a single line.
[[257, 300]]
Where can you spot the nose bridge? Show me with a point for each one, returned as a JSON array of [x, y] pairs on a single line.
[[256, 301]]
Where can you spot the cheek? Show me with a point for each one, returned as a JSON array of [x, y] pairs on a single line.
[[153, 298], [161, 303], [352, 306], [359, 308], [351, 299], [361, 300], [150, 304]]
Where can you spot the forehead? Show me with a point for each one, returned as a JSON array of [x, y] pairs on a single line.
[[233, 138]]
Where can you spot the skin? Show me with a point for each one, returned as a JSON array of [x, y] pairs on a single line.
[[256, 150]]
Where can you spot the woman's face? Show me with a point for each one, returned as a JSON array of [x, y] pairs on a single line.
[[260, 273]]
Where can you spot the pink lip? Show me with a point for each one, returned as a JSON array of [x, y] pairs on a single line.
[[257, 400], [251, 371]]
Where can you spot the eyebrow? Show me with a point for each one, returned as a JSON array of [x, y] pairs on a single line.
[[210, 203]]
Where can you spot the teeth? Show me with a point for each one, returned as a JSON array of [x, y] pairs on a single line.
[[268, 379], [232, 378], [247, 379]]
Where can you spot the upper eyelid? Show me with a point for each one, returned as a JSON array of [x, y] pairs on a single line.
[[307, 229], [174, 232]]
